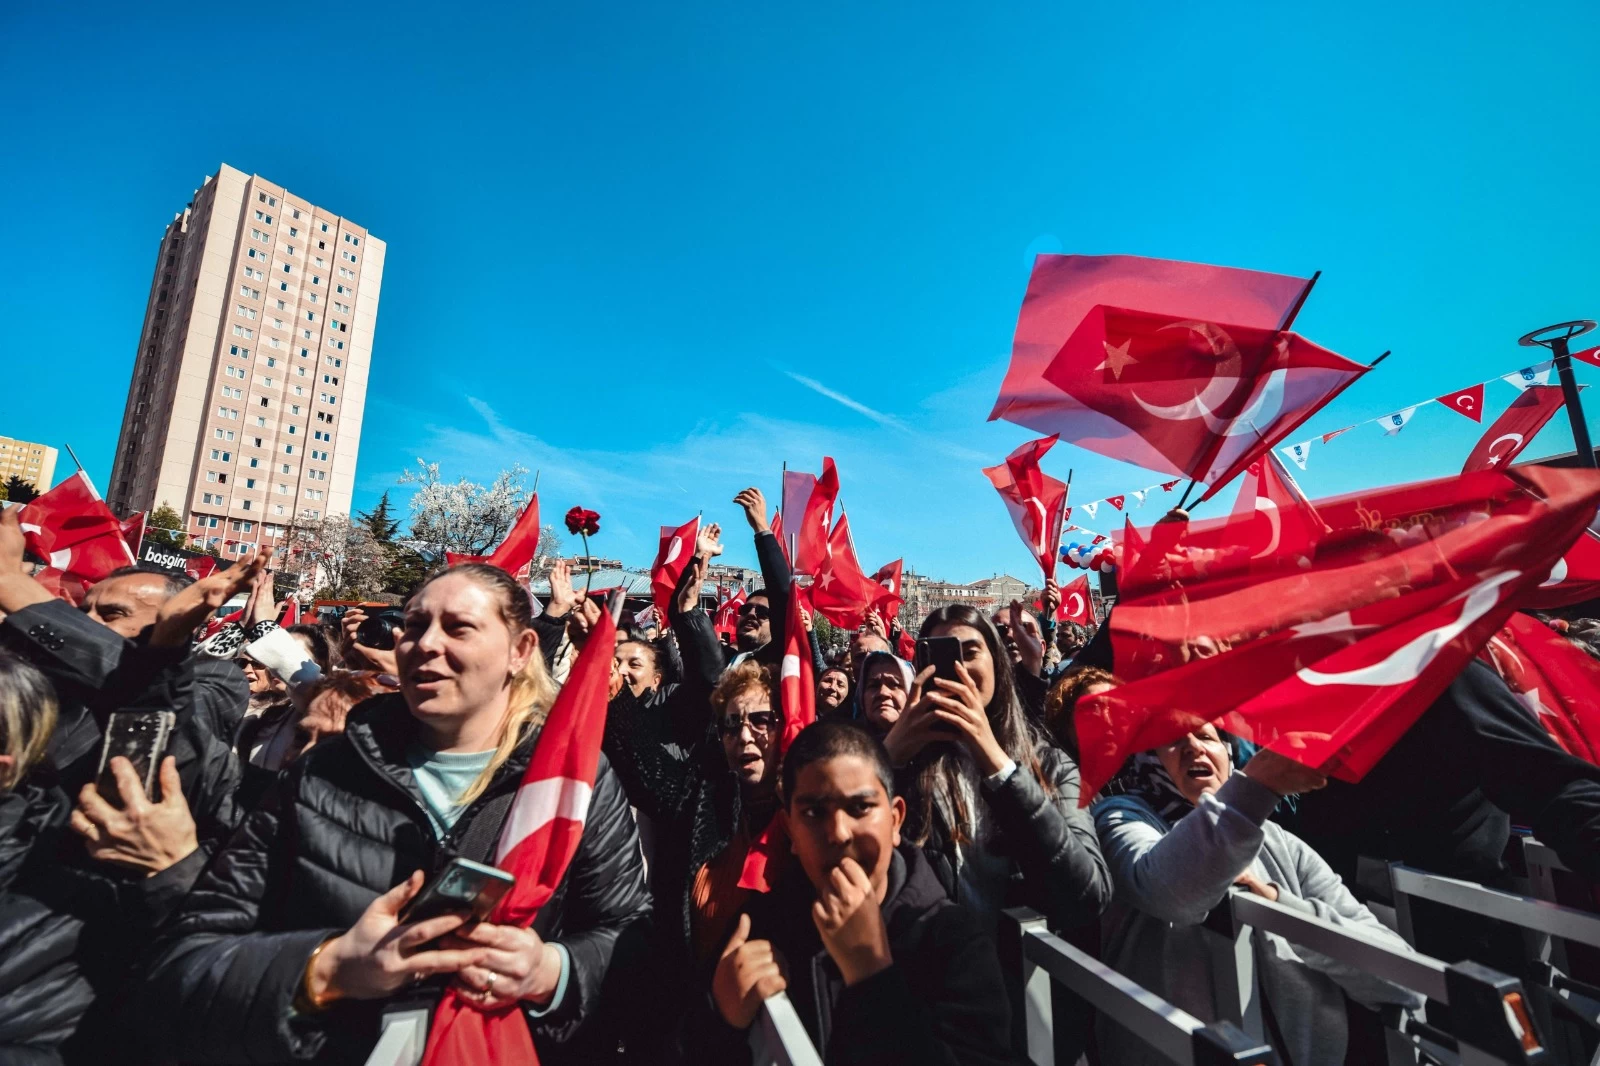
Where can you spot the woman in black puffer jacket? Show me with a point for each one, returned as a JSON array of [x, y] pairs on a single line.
[[290, 947]]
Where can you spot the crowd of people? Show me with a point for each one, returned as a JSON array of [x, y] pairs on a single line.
[[247, 899]]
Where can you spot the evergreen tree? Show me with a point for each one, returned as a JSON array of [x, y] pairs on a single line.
[[163, 526], [20, 491], [379, 523]]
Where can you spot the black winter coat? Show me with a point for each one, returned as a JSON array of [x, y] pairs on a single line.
[[942, 1002], [346, 823]]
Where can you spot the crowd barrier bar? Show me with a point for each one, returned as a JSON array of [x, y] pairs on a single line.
[[1040, 957], [1560, 999], [1490, 1022], [787, 1043]]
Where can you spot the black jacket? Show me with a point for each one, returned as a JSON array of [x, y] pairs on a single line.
[[775, 575], [942, 1001], [1056, 866], [345, 824]]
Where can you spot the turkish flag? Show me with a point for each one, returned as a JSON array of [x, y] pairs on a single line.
[[1037, 502], [290, 614], [133, 531], [777, 531], [1558, 683], [1282, 520], [797, 489], [1515, 429], [201, 566], [1327, 663], [1076, 606], [892, 598], [1063, 288], [811, 537], [74, 532], [672, 559], [1197, 398], [841, 593], [798, 695], [540, 835], [1117, 501], [1574, 579], [1588, 355], [517, 550], [1467, 402], [727, 620]]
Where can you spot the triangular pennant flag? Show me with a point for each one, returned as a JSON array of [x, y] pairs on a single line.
[[1588, 355], [1117, 501], [1066, 513], [1168, 486], [1326, 437], [1298, 452], [1538, 374], [1394, 423], [1092, 508], [1139, 495], [1467, 402]]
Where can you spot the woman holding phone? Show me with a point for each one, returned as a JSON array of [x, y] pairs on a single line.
[[991, 802], [296, 936]]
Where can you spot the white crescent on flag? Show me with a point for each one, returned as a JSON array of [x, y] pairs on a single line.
[[1075, 604], [674, 550], [539, 803], [1407, 662]]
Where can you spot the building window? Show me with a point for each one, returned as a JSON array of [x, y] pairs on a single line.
[[285, 468], [293, 232], [249, 482], [294, 409], [288, 449], [261, 420], [349, 255], [245, 506], [277, 508], [256, 462], [243, 331]]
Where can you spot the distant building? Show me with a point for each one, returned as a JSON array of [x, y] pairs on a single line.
[[588, 564], [33, 463], [924, 595], [249, 383], [730, 576]]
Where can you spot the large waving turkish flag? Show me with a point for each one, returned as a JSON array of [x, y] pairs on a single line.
[[1515, 429], [1327, 660], [1555, 681], [1037, 502]]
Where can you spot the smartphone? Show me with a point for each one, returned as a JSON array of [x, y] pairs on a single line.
[[462, 887], [941, 653], [141, 738]]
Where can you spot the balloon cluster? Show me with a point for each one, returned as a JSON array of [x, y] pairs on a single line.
[[1101, 557]]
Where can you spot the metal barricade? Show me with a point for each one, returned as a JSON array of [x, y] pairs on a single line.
[[1040, 958], [1490, 1022], [783, 1036], [1559, 1001]]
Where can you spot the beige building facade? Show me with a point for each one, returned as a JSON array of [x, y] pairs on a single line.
[[250, 381], [33, 463]]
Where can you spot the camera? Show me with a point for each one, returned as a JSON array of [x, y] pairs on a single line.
[[377, 630]]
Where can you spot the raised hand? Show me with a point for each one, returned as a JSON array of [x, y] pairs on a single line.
[[582, 622], [1051, 601], [755, 509], [917, 727], [1282, 774], [177, 619], [747, 974], [142, 835], [379, 659], [708, 545], [958, 705], [562, 597], [849, 920], [805, 618]]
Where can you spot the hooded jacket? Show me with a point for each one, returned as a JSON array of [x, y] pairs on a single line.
[[345, 823], [942, 1001]]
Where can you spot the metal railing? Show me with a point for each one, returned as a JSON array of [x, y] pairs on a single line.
[[1041, 959], [1490, 1022], [785, 1038]]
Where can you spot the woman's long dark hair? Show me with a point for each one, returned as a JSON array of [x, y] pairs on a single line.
[[939, 768]]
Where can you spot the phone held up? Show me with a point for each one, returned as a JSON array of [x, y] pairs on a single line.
[[463, 887], [141, 738], [941, 653], [377, 630]]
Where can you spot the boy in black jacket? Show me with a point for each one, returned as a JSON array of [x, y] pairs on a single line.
[[881, 966]]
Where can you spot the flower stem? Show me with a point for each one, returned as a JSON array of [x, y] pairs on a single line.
[[589, 562]]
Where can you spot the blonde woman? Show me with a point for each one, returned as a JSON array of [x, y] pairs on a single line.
[[293, 941]]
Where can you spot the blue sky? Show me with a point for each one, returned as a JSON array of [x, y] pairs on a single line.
[[656, 250]]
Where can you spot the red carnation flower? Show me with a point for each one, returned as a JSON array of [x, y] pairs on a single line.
[[583, 521]]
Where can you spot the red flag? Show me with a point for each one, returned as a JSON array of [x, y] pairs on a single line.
[[215, 623], [1515, 429], [797, 489], [517, 550], [1588, 355], [841, 593], [1196, 398], [798, 694], [1117, 501], [1574, 579], [1283, 521], [541, 833], [811, 537], [200, 566], [727, 620], [133, 531], [72, 529], [1326, 437], [290, 614], [1558, 683], [1064, 288], [892, 598], [777, 531], [1076, 605], [1036, 501], [1467, 402], [672, 559], [1327, 663]]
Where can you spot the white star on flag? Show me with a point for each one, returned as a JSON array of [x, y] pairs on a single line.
[[1394, 423], [1538, 374], [1298, 452]]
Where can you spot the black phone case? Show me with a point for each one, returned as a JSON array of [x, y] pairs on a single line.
[[141, 738]]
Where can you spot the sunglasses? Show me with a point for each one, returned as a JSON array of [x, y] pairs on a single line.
[[760, 722], [757, 610]]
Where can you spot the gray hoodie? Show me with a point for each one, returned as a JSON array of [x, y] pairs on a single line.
[[1167, 878]]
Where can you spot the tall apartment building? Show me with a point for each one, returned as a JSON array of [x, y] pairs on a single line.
[[33, 463], [249, 384]]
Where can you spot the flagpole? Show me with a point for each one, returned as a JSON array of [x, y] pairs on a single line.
[[1557, 343], [74, 455]]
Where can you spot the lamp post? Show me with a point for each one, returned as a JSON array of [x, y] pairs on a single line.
[[1556, 338]]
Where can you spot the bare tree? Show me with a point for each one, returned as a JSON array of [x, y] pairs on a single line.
[[336, 557], [464, 516]]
